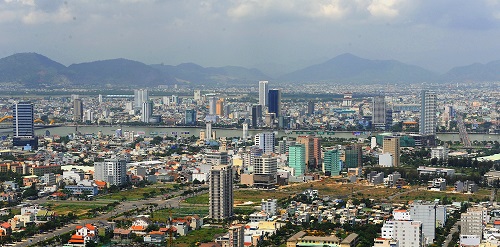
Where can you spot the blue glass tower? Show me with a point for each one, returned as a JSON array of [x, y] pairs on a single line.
[[274, 101]]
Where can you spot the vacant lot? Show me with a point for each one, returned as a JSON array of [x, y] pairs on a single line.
[[138, 193], [77, 207], [243, 196], [184, 210]]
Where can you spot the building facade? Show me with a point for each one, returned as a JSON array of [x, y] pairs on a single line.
[[221, 192]]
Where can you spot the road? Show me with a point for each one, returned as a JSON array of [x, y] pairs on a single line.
[[122, 208], [453, 229]]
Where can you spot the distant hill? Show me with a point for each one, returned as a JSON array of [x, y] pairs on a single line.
[[347, 68], [117, 72], [228, 75], [474, 72], [32, 70]]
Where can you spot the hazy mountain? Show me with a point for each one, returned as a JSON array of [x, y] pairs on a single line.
[[347, 68], [116, 72], [193, 73], [474, 72], [32, 69]]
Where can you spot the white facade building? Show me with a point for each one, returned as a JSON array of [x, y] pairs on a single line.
[[407, 233], [111, 171]]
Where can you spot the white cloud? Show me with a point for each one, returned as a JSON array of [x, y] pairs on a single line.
[[38, 17], [384, 8]]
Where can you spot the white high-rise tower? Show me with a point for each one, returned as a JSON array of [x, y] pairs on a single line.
[[263, 91], [428, 119]]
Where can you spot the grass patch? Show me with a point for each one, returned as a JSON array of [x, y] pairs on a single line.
[[241, 196], [203, 235], [77, 207], [138, 193]]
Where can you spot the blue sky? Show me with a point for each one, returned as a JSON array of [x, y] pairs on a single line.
[[280, 34]]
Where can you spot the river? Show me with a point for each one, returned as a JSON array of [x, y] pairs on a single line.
[[170, 131]]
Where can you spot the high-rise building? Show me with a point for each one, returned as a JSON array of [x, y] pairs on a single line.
[[221, 192], [212, 105], [147, 111], [379, 110], [425, 212], [265, 141], [140, 96], [428, 118], [263, 93], [236, 236], [408, 233], [190, 117], [256, 116], [208, 131], [331, 162], [274, 102], [473, 221], [219, 107], [391, 144], [309, 146], [77, 110], [23, 120], [88, 116], [297, 159], [310, 108], [353, 156], [111, 171], [245, 131], [214, 157], [317, 152], [265, 168], [197, 95], [23, 125]]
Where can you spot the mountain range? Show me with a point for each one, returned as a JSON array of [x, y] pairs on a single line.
[[33, 70]]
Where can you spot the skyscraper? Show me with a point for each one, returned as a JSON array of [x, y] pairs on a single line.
[[256, 116], [297, 159], [309, 146], [428, 119], [23, 125], [212, 105], [190, 117], [219, 107], [77, 110], [379, 108], [331, 162], [353, 155], [140, 96], [208, 131], [245, 131], [274, 104], [310, 108], [265, 141], [263, 93], [221, 192], [147, 111], [391, 144]]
